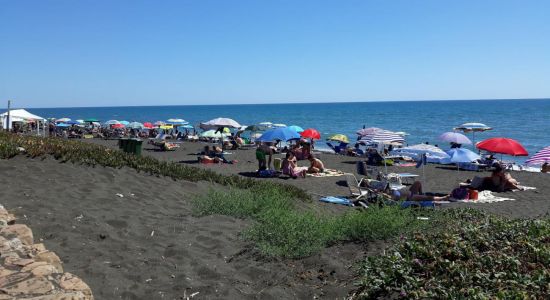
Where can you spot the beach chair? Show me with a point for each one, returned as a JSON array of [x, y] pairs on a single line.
[[356, 190]]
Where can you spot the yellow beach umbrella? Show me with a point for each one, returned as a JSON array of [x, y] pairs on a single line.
[[339, 138], [166, 127]]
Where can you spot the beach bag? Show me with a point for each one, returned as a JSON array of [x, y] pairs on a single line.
[[361, 169], [267, 173], [473, 194], [460, 193]]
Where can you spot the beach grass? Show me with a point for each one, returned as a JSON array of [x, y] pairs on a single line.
[[282, 230], [476, 256]]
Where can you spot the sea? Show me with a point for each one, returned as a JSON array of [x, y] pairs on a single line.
[[525, 120]]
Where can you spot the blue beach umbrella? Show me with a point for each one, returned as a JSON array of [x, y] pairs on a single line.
[[296, 128], [187, 126], [63, 125], [462, 155], [125, 123], [72, 122], [281, 134]]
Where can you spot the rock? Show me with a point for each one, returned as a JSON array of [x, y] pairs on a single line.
[[60, 295], [16, 262], [51, 258], [10, 245], [29, 286], [20, 231], [40, 268], [70, 282]]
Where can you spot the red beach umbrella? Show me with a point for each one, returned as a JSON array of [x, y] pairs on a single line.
[[503, 146], [117, 126], [148, 125], [311, 133]]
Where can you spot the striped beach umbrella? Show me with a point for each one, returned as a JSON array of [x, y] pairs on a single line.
[[540, 157], [382, 136]]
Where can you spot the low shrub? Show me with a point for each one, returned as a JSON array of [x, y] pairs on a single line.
[[90, 154], [477, 256]]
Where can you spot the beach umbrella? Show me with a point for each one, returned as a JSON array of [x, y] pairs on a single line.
[[220, 122], [473, 128], [135, 125], [187, 126], [503, 146], [213, 134], [71, 122], [296, 128], [166, 126], [125, 123], [454, 137], [281, 134], [540, 157], [112, 122], [62, 120], [311, 133], [91, 120], [148, 125], [278, 125], [382, 136], [116, 126], [63, 125], [159, 123], [462, 155], [252, 128], [367, 131], [80, 121], [266, 124], [433, 154], [339, 138], [177, 121]]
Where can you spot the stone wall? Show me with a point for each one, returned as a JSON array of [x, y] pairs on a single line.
[[29, 271]]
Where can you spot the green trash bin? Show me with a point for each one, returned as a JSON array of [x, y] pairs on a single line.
[[123, 144], [137, 146]]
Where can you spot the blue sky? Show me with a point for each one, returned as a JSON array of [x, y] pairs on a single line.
[[111, 53]]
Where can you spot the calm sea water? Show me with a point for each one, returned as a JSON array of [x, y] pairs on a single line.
[[524, 120]]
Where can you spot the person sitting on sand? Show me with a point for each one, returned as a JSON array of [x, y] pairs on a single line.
[[317, 165], [290, 168], [545, 168], [415, 194], [499, 181]]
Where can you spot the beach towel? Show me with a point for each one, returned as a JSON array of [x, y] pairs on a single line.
[[336, 200], [524, 188], [485, 197], [406, 204], [327, 173]]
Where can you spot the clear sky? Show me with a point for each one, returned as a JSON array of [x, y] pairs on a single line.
[[111, 53]]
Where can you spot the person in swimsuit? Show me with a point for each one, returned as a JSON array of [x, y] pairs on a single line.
[[415, 194], [317, 165]]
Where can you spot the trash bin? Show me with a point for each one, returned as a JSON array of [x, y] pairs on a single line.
[[122, 144], [137, 146]]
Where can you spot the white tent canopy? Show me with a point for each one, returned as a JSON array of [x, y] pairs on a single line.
[[19, 115]]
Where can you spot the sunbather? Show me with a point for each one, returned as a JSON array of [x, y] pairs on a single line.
[[415, 194], [290, 168], [545, 168], [317, 165], [499, 181]]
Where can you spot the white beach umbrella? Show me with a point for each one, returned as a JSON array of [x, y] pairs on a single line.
[[213, 134], [433, 154], [220, 122], [278, 125], [112, 122], [455, 137], [473, 128]]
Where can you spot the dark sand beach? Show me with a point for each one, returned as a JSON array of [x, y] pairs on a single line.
[[148, 245]]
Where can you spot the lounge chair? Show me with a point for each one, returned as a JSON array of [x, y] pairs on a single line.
[[336, 149], [357, 191]]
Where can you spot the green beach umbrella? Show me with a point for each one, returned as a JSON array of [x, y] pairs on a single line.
[[91, 120]]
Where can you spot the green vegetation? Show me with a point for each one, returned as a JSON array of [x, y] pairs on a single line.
[[477, 256], [282, 230], [90, 154]]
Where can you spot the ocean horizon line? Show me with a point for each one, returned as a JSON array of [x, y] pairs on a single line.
[[290, 103]]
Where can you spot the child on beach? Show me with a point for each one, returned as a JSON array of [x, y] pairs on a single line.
[[317, 165]]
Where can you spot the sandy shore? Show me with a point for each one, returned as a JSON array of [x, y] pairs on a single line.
[[438, 179], [147, 244]]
